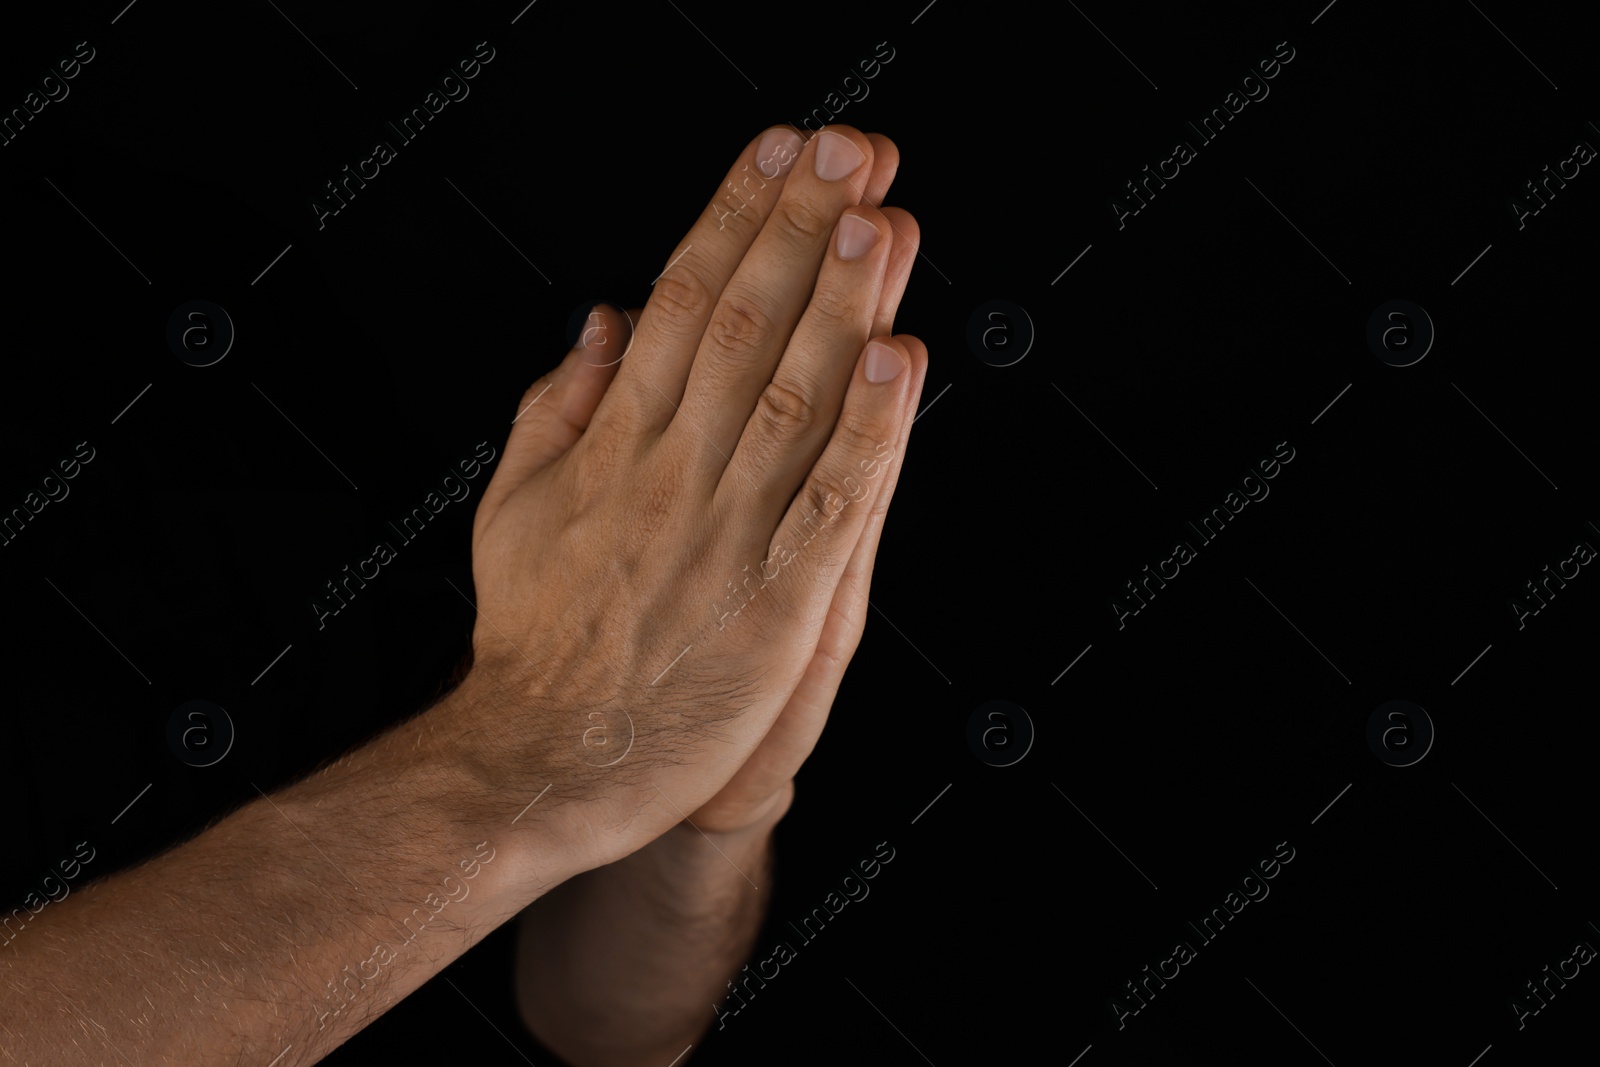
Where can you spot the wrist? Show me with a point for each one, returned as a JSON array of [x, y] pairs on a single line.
[[506, 761]]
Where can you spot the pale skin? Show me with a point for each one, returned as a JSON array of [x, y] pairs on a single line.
[[677, 545]]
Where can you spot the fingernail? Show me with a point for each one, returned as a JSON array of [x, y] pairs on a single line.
[[856, 236], [883, 363], [837, 156], [777, 151]]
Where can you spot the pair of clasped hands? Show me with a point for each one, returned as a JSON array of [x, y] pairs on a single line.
[[680, 537]]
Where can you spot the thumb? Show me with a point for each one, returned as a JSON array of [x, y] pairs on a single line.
[[555, 410]]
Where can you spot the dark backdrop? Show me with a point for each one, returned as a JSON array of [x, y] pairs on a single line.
[[1154, 360]]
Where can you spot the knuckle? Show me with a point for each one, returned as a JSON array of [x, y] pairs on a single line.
[[848, 466], [800, 222], [786, 411], [532, 394], [739, 327], [679, 297], [834, 306], [817, 509], [857, 438], [729, 214]]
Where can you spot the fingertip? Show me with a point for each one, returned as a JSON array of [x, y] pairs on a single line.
[[885, 164], [607, 331], [905, 225], [915, 351], [884, 360]]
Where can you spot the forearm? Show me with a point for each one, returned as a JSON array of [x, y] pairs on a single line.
[[290, 924], [622, 965]]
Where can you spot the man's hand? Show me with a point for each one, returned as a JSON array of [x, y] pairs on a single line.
[[663, 929], [745, 444], [673, 575]]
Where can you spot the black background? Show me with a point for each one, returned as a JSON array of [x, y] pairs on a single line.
[[1176, 752]]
